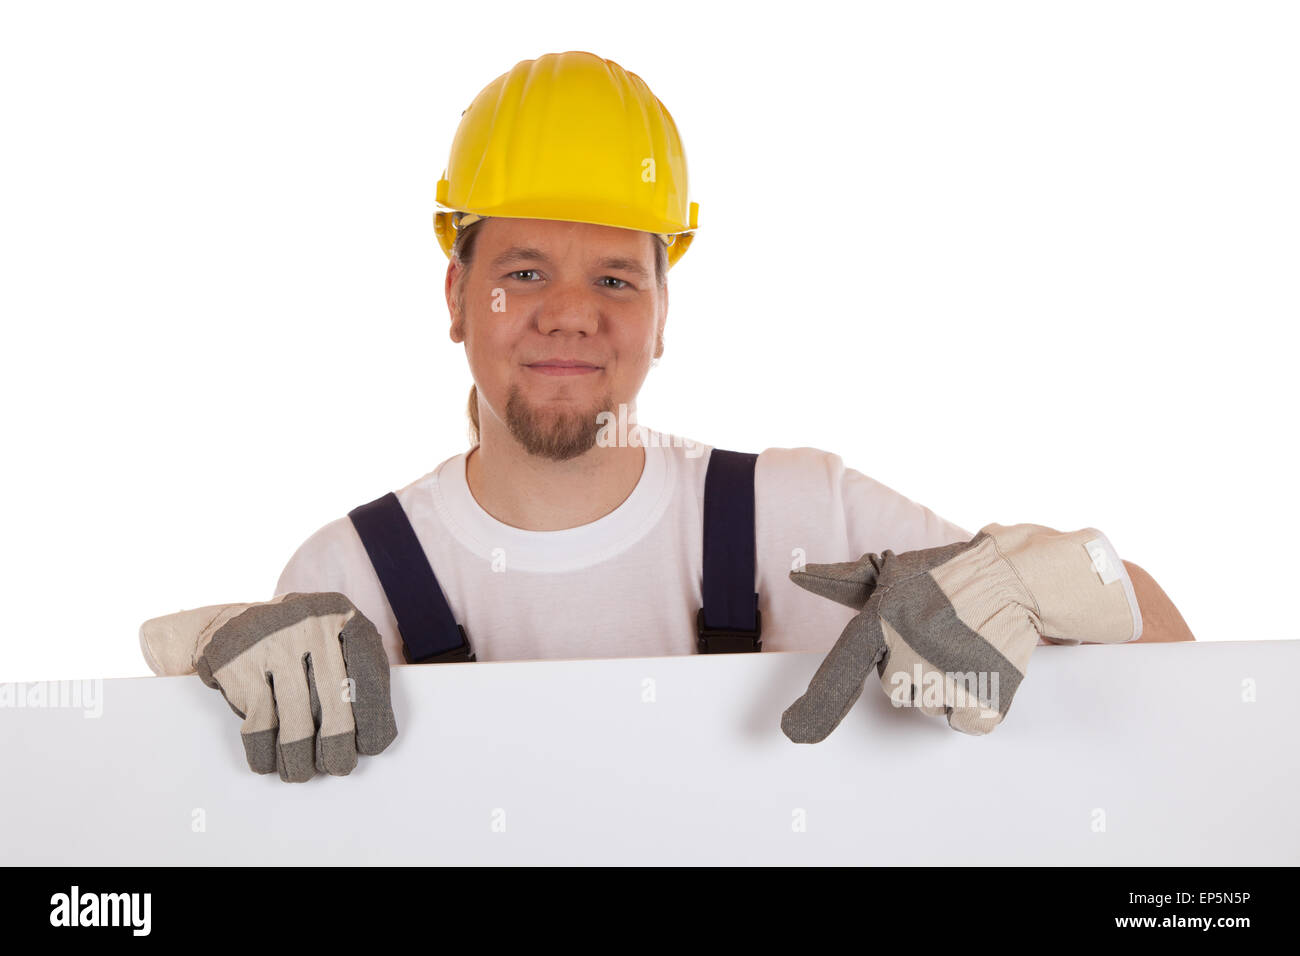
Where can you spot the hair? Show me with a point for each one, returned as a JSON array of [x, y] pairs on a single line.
[[462, 250]]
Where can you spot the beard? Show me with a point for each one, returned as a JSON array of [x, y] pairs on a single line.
[[557, 432]]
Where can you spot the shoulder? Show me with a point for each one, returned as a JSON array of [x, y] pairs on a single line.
[[875, 515], [325, 560], [333, 558], [780, 474], [804, 467]]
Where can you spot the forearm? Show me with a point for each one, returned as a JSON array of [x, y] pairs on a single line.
[[1160, 619]]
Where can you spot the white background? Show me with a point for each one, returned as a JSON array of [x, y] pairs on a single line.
[[1018, 261]]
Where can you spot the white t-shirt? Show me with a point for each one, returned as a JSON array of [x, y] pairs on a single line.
[[628, 584]]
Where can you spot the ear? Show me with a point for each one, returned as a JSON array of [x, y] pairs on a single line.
[[663, 320], [457, 330]]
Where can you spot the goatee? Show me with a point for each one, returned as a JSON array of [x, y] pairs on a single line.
[[555, 432]]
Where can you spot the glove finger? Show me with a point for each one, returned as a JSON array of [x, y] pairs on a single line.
[[247, 689], [259, 729], [910, 679], [295, 743], [838, 682], [975, 721], [336, 747], [367, 666], [980, 706], [848, 582]]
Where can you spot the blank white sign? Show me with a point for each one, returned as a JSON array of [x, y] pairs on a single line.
[[1142, 754]]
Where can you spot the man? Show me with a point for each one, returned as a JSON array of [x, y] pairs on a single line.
[[566, 530], [549, 543], [561, 321]]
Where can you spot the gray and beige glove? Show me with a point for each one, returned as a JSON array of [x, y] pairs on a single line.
[[307, 672], [949, 630]]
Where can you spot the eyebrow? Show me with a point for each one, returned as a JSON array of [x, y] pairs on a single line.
[[626, 265], [518, 254]]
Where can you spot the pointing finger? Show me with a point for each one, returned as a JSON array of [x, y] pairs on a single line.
[[839, 680]]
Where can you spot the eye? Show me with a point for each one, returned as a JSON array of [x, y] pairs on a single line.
[[621, 283], [523, 272]]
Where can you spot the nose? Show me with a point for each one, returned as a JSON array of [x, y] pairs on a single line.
[[569, 307]]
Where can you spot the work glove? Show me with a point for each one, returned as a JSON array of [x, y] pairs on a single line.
[[949, 630], [307, 672]]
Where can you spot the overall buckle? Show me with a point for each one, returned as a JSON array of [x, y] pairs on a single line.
[[725, 640], [453, 656]]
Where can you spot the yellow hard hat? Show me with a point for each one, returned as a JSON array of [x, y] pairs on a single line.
[[568, 136]]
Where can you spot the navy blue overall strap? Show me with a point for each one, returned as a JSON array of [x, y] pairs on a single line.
[[729, 621], [429, 632]]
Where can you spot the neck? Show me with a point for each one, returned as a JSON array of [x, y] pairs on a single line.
[[537, 494]]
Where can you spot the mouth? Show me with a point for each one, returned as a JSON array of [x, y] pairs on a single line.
[[563, 367]]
